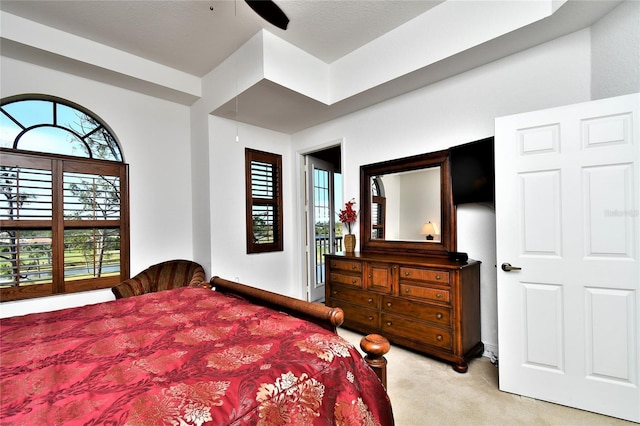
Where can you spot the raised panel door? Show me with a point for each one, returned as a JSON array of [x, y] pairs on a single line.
[[567, 185]]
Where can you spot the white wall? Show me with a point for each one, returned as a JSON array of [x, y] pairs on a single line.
[[229, 259], [420, 203], [201, 201], [154, 135], [615, 52], [455, 111]]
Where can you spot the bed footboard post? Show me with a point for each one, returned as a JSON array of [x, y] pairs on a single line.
[[376, 346]]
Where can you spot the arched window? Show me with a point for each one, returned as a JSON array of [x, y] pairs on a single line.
[[64, 207]]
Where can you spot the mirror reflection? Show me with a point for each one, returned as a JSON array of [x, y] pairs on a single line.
[[397, 198], [405, 206]]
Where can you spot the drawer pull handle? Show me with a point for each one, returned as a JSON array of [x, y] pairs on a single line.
[[439, 337], [354, 267], [333, 277], [388, 304], [438, 315], [370, 300], [335, 292], [407, 273], [439, 295], [438, 277], [354, 281], [370, 318], [389, 323], [407, 290]]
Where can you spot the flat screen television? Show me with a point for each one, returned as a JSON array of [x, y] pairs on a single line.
[[473, 172]]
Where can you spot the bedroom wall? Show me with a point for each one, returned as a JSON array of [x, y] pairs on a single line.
[[455, 111], [615, 52], [154, 135], [229, 258]]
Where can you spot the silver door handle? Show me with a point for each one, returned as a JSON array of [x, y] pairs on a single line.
[[507, 267]]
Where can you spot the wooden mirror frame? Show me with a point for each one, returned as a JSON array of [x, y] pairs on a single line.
[[447, 209]]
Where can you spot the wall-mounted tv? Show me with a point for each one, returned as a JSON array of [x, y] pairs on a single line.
[[473, 172]]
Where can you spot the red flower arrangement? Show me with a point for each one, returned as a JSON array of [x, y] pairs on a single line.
[[348, 215]]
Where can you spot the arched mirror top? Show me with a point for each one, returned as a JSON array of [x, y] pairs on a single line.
[[406, 206]]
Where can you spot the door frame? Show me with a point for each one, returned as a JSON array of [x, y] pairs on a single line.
[[301, 214], [315, 291]]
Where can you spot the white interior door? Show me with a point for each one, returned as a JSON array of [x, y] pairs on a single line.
[[567, 213], [320, 222]]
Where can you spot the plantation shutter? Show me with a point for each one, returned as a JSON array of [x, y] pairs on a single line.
[[60, 225], [264, 201]]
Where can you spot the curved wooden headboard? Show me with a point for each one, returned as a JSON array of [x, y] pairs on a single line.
[[326, 317], [374, 345]]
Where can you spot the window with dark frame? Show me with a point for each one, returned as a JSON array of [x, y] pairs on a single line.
[[263, 178], [64, 208], [378, 209]]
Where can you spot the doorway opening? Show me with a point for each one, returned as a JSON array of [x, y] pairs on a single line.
[[324, 192]]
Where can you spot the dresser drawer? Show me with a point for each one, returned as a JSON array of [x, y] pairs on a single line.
[[357, 297], [358, 316], [352, 280], [420, 274], [436, 314], [425, 293], [346, 265], [418, 332]]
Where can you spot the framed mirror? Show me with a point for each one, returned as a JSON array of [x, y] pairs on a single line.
[[406, 206]]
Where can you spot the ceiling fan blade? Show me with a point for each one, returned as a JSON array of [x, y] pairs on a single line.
[[270, 12]]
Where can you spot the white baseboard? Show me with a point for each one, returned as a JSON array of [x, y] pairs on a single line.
[[490, 350]]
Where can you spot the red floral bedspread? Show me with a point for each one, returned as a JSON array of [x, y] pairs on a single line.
[[187, 356]]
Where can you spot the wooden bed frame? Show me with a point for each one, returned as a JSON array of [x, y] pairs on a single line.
[[374, 345]]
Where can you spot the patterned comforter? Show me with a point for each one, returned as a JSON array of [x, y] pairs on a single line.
[[187, 356]]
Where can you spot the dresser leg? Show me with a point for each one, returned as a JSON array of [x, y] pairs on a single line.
[[475, 352], [461, 368]]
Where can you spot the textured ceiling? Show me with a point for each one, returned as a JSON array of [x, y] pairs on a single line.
[[196, 36]]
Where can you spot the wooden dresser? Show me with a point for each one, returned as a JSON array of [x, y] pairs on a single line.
[[431, 305]]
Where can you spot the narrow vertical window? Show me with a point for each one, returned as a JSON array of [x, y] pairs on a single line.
[[263, 173]]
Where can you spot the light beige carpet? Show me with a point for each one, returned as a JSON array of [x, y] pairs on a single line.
[[425, 391]]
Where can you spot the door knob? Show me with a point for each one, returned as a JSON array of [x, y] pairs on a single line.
[[507, 267]]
